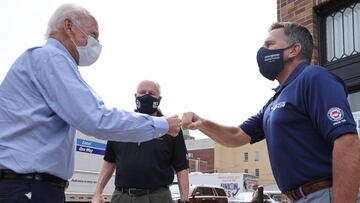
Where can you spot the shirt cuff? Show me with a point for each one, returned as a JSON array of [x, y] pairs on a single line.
[[341, 130], [161, 126]]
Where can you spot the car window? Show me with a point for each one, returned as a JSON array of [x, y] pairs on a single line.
[[220, 192], [204, 191]]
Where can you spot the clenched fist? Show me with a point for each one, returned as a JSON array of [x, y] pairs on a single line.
[[174, 125], [191, 121]]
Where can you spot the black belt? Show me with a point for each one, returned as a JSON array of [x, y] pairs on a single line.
[[139, 192], [6, 174]]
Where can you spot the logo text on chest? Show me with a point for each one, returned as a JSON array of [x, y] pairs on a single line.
[[278, 105]]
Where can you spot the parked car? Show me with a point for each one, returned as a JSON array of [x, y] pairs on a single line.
[[249, 197], [274, 196], [201, 194], [243, 197]]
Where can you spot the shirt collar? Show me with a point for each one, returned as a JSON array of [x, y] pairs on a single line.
[[298, 70], [57, 44]]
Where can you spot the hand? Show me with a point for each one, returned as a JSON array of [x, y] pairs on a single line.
[[174, 125], [98, 198], [191, 121]]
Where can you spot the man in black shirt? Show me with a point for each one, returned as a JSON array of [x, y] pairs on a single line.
[[145, 170]]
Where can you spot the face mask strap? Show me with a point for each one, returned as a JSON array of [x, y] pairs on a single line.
[[290, 46], [81, 30]]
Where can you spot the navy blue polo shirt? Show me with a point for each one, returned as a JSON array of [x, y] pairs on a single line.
[[300, 123]]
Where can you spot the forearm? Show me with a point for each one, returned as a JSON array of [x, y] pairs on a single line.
[[224, 135], [122, 126], [346, 167], [183, 181], [106, 172]]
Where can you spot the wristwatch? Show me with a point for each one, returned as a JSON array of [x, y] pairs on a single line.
[[183, 201]]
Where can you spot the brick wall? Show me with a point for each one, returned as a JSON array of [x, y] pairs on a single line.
[[302, 12], [206, 157]]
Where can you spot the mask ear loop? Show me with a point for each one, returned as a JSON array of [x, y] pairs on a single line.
[[81, 30], [290, 45]]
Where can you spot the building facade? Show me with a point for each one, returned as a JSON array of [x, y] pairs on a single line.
[[252, 159], [201, 155], [335, 26]]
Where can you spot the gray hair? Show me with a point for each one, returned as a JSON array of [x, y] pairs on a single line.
[[71, 11], [297, 34], [151, 81]]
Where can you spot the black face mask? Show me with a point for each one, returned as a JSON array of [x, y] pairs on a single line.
[[271, 62], [147, 104]]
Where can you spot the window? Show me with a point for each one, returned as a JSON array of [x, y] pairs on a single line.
[[257, 156], [205, 191], [220, 192], [342, 31], [246, 171], [246, 156], [339, 42], [257, 172]]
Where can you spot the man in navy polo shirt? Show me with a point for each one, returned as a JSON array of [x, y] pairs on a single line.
[[310, 132]]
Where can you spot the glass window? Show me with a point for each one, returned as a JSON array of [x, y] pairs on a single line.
[[356, 14], [246, 156], [257, 156], [342, 31], [338, 41], [329, 38], [205, 191], [246, 171], [257, 172], [348, 32], [220, 192]]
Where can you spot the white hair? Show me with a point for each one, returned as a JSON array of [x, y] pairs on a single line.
[[157, 85], [71, 11]]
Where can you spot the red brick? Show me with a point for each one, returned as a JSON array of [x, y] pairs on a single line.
[[204, 155]]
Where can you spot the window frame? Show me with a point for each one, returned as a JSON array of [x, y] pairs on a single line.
[[246, 156], [350, 74], [257, 172], [257, 156]]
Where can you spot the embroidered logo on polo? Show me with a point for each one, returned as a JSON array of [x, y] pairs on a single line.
[[278, 105], [336, 115]]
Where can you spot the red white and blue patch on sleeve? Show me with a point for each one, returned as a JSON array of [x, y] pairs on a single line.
[[336, 115]]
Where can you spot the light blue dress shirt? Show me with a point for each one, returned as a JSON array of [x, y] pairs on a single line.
[[43, 99]]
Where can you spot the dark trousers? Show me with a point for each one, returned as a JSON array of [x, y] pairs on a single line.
[[30, 191], [160, 196]]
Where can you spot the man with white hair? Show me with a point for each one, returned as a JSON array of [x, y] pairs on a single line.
[[43, 99]]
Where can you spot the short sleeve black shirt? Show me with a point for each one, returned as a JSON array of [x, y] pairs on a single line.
[[148, 164]]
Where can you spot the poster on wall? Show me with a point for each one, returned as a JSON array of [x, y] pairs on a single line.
[[356, 115]]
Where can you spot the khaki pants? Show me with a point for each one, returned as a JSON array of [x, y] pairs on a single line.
[[159, 196]]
